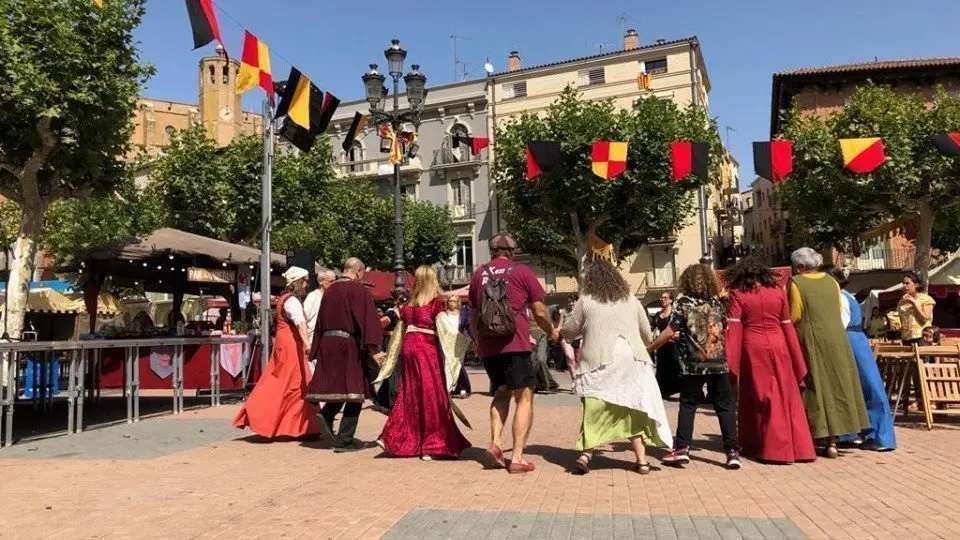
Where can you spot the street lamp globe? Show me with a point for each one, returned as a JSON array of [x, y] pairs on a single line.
[[395, 56], [416, 82], [373, 85]]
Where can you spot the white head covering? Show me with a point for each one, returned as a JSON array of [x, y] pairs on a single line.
[[294, 273]]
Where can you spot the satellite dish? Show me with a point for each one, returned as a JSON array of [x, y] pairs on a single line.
[[488, 67]]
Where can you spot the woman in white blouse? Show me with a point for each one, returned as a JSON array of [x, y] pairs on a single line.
[[614, 375]]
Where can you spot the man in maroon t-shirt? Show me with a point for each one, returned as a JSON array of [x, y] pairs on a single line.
[[507, 360]]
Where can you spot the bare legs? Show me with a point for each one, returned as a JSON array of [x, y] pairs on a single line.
[[639, 449], [522, 418]]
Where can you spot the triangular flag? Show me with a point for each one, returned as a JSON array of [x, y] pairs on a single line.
[[542, 157], [359, 121], [203, 21], [947, 143], [862, 156], [689, 157], [773, 160], [609, 158], [254, 66]]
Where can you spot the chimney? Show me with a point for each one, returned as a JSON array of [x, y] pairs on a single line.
[[631, 40], [513, 61]]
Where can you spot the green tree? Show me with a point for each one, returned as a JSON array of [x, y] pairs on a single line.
[[69, 78], [832, 206], [553, 216]]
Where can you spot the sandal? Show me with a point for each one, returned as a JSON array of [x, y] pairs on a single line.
[[643, 468], [582, 465], [831, 452]]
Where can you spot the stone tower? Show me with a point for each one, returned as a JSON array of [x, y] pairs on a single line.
[[220, 106]]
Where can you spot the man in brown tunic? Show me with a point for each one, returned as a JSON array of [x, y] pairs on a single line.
[[347, 329]]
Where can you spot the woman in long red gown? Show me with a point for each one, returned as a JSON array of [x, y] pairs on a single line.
[[766, 359], [421, 422], [276, 407]]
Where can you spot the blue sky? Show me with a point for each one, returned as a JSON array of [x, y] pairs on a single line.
[[743, 41]]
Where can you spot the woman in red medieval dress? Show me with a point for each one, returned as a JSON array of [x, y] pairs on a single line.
[[276, 407], [767, 361], [421, 422]]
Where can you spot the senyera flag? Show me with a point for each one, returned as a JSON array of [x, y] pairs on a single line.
[[609, 159], [773, 160], [689, 157], [947, 143], [862, 156], [254, 66], [203, 21]]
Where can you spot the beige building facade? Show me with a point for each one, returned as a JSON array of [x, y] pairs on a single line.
[[674, 70]]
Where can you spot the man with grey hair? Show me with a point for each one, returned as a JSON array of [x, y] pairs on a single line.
[[347, 331], [311, 305], [833, 397]]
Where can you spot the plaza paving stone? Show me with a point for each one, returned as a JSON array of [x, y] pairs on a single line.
[[194, 476]]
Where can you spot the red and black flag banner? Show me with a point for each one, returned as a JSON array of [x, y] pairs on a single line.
[[947, 143], [476, 144], [773, 160], [330, 104], [359, 121], [542, 157], [203, 20], [689, 157]]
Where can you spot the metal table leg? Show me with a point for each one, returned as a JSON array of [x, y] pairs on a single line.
[[81, 392], [213, 377], [136, 384], [180, 365], [9, 400], [128, 383], [71, 394], [216, 373]]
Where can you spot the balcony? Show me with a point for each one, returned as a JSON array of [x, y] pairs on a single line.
[[462, 275], [375, 168], [883, 259], [448, 158], [463, 212]]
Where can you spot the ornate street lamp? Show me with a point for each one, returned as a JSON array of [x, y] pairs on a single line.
[[376, 92], [450, 269]]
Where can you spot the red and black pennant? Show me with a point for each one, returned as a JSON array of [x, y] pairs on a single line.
[[689, 157], [203, 21], [476, 144], [947, 143], [773, 160], [542, 157]]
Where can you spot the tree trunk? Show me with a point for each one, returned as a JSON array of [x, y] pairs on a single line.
[[22, 267], [924, 234], [582, 252]]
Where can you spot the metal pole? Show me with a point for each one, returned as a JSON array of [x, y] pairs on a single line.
[[706, 257], [397, 201], [266, 199]]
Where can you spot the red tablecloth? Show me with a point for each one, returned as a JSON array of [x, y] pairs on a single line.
[[196, 370]]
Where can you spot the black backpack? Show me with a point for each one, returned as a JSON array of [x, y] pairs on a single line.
[[497, 319]]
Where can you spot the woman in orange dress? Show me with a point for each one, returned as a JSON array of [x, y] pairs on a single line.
[[276, 407]]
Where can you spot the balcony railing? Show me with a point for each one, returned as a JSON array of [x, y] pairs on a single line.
[[446, 157], [882, 259], [463, 212], [378, 167]]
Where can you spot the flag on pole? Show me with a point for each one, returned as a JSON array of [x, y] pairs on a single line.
[[773, 160], [254, 66], [322, 122], [947, 143], [609, 159], [689, 157], [295, 101], [862, 156], [203, 21], [359, 122], [542, 157], [476, 144]]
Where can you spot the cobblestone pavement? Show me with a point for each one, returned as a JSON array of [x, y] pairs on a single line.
[[194, 476]]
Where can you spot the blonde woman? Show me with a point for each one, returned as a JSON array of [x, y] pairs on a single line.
[[421, 422], [454, 346]]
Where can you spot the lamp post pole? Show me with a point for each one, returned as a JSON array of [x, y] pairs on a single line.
[[415, 83]]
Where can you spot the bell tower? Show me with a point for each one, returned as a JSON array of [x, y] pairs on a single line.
[[220, 106]]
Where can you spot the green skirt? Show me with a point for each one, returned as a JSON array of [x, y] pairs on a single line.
[[604, 422]]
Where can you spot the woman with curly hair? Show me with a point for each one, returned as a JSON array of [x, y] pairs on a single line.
[[614, 375], [766, 363], [698, 321]]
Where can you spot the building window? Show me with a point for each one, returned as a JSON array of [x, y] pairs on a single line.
[[355, 156], [170, 130], [408, 191], [462, 152], [515, 90], [460, 191], [871, 257], [464, 257], [663, 267], [655, 66], [592, 76], [550, 278], [226, 75]]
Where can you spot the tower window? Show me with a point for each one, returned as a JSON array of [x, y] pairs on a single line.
[[213, 75], [170, 130], [226, 75]]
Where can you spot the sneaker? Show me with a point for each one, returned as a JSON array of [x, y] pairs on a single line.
[[733, 460], [680, 456], [464, 394], [354, 445]]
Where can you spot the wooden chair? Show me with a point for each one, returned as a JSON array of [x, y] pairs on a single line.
[[896, 368], [940, 386]]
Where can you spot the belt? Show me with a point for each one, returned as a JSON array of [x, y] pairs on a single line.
[[420, 330], [337, 333]]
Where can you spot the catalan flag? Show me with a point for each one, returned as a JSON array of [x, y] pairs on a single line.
[[773, 160], [609, 158], [359, 121], [254, 66], [947, 143], [689, 157], [203, 21], [862, 156], [542, 157]]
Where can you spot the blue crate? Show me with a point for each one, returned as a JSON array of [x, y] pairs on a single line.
[[32, 379]]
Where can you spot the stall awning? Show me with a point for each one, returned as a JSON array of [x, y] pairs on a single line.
[[382, 283], [178, 243], [47, 301]]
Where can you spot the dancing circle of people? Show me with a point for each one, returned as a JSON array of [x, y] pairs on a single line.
[[790, 374]]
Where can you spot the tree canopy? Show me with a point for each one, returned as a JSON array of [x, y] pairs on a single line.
[[832, 206], [553, 215]]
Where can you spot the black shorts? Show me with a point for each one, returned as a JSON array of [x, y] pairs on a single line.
[[514, 370]]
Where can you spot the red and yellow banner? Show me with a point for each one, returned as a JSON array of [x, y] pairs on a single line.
[[864, 155], [254, 66], [609, 159]]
